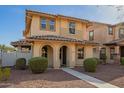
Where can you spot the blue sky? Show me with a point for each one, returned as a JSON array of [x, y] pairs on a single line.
[[12, 18]]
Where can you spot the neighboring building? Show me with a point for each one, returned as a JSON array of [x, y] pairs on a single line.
[[110, 37], [67, 41]]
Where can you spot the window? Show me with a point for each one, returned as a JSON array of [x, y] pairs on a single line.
[[112, 51], [102, 52], [110, 30], [71, 27], [91, 35], [80, 53], [52, 25], [44, 52], [121, 33], [43, 24]]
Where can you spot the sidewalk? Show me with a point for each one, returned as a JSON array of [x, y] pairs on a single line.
[[96, 82]]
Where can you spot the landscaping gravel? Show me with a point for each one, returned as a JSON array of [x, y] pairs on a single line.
[[50, 79], [111, 73]]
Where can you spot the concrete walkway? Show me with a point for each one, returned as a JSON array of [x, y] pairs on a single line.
[[96, 82]]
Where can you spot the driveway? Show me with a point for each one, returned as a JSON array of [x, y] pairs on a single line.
[[50, 79]]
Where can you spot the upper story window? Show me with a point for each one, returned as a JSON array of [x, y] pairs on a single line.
[[71, 27], [52, 25], [110, 30], [91, 35], [47, 24], [121, 33], [43, 23]]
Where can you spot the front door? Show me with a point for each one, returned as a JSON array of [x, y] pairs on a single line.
[[122, 51], [63, 55]]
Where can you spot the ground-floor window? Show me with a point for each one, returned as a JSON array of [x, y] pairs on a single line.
[[102, 52], [80, 53], [112, 51]]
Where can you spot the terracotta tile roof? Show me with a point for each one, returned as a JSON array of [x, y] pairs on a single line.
[[61, 38], [21, 42], [51, 37], [54, 37], [114, 42]]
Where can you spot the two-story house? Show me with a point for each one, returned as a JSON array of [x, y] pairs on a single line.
[[116, 45], [62, 39], [67, 41]]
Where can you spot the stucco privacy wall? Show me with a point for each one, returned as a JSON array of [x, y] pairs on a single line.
[[72, 59]]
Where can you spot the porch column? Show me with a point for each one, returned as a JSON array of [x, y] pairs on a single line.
[[72, 56], [117, 51], [19, 48], [108, 54], [56, 60], [88, 51], [36, 50]]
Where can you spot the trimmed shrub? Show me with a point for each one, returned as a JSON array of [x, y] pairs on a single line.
[[38, 64], [122, 61], [0, 62], [20, 64], [98, 60], [1, 74], [90, 64], [5, 73]]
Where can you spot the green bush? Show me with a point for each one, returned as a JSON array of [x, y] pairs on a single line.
[[122, 61], [21, 64], [38, 64], [1, 74], [90, 64], [98, 60], [0, 62], [5, 73]]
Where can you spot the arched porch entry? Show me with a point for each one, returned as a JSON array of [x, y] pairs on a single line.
[[63, 56], [47, 51]]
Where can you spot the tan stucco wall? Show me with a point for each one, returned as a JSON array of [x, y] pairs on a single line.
[[79, 32], [36, 30], [61, 28], [117, 31], [100, 33], [72, 59], [79, 62]]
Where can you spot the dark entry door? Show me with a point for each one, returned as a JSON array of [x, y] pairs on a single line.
[[64, 55], [122, 51]]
